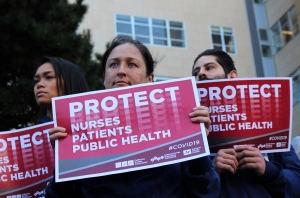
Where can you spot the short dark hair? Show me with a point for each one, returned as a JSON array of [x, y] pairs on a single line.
[[119, 40], [222, 58]]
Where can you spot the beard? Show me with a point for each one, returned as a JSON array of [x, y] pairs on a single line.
[[202, 78]]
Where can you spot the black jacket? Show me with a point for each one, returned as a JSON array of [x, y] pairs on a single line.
[[281, 179]]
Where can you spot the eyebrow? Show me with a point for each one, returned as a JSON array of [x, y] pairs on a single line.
[[129, 58], [44, 73], [205, 65], [209, 63]]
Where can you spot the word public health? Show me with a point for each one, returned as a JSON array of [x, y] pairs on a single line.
[[103, 133], [11, 172]]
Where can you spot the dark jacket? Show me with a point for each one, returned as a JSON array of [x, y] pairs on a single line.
[[195, 178], [281, 179]]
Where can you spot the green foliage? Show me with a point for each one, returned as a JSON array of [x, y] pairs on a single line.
[[29, 30]]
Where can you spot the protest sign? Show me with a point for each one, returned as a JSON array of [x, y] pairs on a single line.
[[26, 161], [126, 129], [256, 112]]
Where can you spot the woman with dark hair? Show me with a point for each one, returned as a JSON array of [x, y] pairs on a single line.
[[128, 62], [56, 77]]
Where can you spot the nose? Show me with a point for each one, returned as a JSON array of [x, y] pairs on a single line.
[[39, 84], [202, 74], [122, 70]]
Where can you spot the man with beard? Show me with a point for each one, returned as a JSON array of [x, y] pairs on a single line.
[[243, 170], [213, 64]]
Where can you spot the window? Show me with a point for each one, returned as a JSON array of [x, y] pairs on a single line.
[[276, 37], [263, 33], [141, 27], [159, 78], [284, 30], [296, 86], [266, 51], [294, 23], [264, 41], [259, 1], [222, 38], [151, 31]]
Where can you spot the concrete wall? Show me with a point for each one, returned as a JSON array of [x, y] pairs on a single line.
[[197, 17], [276, 9]]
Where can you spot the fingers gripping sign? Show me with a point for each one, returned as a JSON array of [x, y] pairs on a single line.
[[201, 115], [226, 160], [250, 158], [56, 133]]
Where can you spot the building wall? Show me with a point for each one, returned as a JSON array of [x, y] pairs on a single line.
[[261, 20], [263, 62], [296, 123], [276, 8], [197, 17], [287, 60]]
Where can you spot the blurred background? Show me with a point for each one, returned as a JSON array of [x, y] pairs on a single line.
[[262, 37]]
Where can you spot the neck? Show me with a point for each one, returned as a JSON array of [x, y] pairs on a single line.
[[49, 114]]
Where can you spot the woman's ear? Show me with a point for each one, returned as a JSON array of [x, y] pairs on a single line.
[[150, 78], [232, 74]]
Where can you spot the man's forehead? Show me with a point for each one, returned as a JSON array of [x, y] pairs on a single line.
[[205, 60]]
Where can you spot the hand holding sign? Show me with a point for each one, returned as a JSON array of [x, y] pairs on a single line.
[[55, 134], [201, 114], [251, 158], [226, 160], [241, 157]]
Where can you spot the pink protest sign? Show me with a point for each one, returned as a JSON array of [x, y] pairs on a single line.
[[126, 129], [26, 161], [256, 112]]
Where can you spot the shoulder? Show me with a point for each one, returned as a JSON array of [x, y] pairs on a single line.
[[44, 119], [286, 159]]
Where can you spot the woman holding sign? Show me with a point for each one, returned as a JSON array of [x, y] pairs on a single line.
[[128, 62]]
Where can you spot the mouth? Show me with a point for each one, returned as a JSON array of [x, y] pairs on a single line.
[[121, 83], [203, 79], [40, 93]]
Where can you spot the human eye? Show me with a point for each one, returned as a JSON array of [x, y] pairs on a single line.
[[132, 65], [49, 77], [195, 72], [36, 80], [113, 65], [209, 67]]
